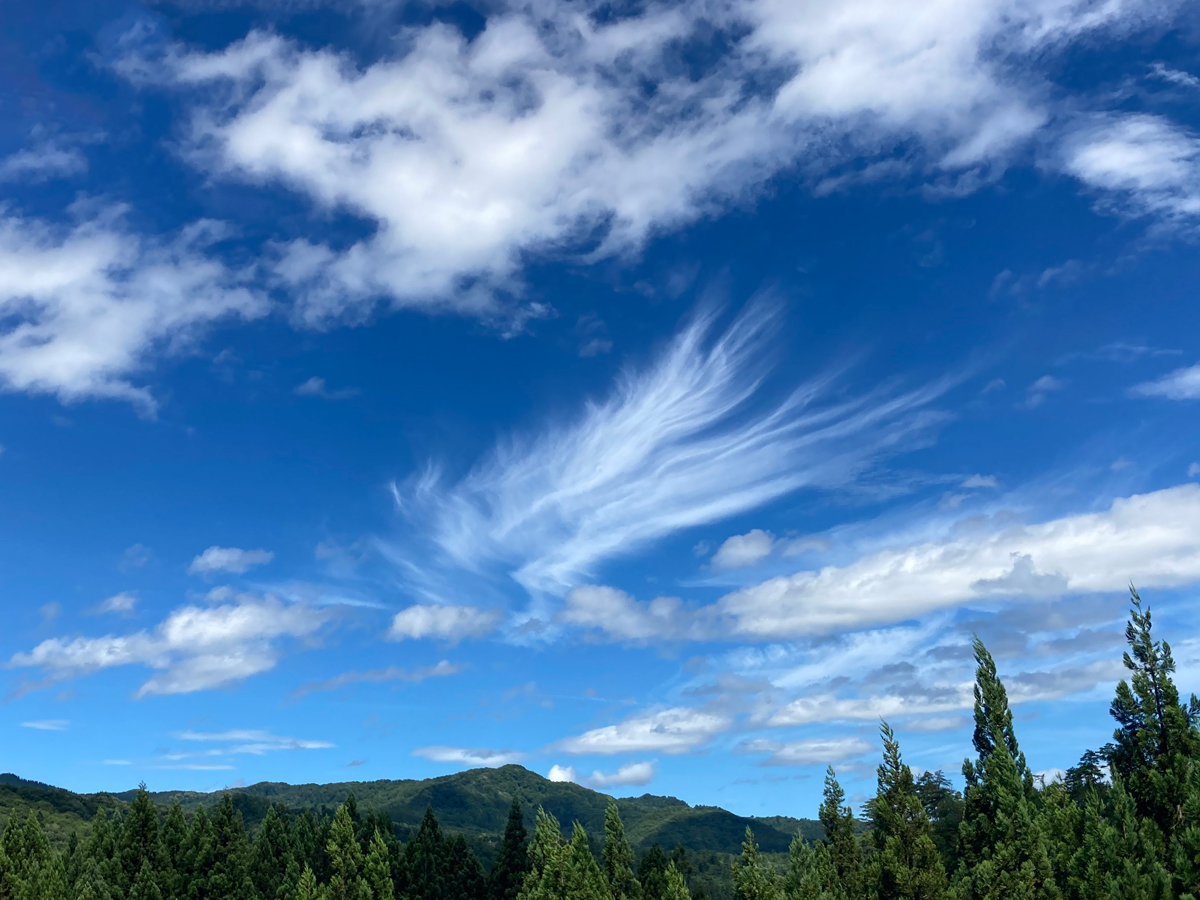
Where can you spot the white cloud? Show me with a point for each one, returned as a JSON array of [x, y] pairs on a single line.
[[623, 618], [1181, 384], [122, 603], [117, 762], [469, 155], [687, 441], [675, 730], [450, 623], [193, 649], [443, 669], [47, 724], [1145, 164], [1193, 470], [85, 307], [469, 756], [629, 775], [563, 774], [42, 163], [744, 550], [811, 752], [251, 741], [316, 387], [228, 559], [831, 708], [981, 481], [1153, 539]]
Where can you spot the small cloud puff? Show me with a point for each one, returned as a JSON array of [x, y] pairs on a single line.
[[744, 550], [228, 559]]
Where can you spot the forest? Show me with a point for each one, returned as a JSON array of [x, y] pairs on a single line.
[[1123, 824]]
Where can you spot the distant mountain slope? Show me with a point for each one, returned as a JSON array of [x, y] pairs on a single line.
[[475, 802]]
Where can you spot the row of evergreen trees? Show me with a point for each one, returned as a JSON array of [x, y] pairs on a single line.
[[1123, 825]]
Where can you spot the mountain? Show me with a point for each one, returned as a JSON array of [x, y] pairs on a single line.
[[474, 802]]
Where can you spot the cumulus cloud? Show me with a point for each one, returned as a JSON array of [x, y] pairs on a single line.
[[634, 774], [688, 440], [743, 550], [443, 669], [1181, 384], [538, 133], [1153, 539], [1144, 164], [228, 559], [122, 603], [449, 623], [42, 163], [469, 756], [193, 649], [671, 731], [84, 308], [811, 752], [623, 618]]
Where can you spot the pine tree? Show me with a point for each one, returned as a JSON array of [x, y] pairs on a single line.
[[906, 865], [174, 836], [377, 870], [140, 839], [199, 856], [307, 888], [677, 888], [1122, 857], [512, 862], [462, 877], [1060, 819], [812, 874], [145, 884], [271, 855], [546, 878], [618, 857], [752, 879], [841, 833], [584, 879], [228, 877], [652, 873], [1156, 737], [346, 881], [1004, 855]]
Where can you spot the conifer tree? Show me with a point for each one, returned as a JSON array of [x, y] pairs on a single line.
[[271, 854], [306, 888], [1060, 819], [199, 856], [346, 880], [145, 884], [652, 873], [841, 833], [1122, 857], [812, 874], [547, 860], [140, 839], [618, 857], [1156, 739], [677, 888], [752, 879], [1004, 855], [229, 877], [462, 877], [174, 836], [378, 870], [424, 857], [512, 862], [584, 879], [906, 865]]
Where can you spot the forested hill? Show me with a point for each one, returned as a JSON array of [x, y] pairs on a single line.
[[475, 803]]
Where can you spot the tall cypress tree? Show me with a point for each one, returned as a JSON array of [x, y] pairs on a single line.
[[199, 856], [140, 840], [346, 880], [906, 865], [546, 878], [512, 862], [841, 832], [377, 870], [228, 877], [461, 875], [423, 860], [1122, 856], [1156, 738], [272, 854], [1004, 855], [652, 873], [584, 879], [811, 872], [752, 879], [677, 888], [618, 856], [174, 837]]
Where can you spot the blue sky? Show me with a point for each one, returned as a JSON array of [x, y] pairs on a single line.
[[654, 394]]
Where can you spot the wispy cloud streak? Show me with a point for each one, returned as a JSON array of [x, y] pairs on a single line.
[[688, 440]]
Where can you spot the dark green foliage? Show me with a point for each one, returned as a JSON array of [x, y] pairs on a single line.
[[906, 864], [512, 862], [1009, 836]]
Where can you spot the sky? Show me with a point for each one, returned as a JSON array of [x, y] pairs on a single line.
[[656, 395]]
